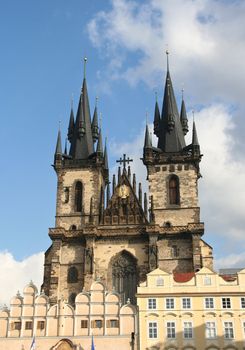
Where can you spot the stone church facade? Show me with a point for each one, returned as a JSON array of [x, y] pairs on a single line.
[[109, 235], [108, 229]]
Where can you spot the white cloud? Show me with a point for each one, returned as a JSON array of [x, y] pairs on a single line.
[[222, 197], [15, 275], [205, 37], [231, 260]]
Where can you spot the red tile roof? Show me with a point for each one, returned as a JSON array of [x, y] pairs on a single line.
[[183, 277], [229, 278]]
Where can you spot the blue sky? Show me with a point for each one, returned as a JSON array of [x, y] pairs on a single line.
[[42, 49], [41, 67]]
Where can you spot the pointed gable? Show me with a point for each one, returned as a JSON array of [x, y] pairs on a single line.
[[124, 206]]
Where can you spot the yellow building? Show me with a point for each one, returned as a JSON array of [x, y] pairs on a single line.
[[201, 310]]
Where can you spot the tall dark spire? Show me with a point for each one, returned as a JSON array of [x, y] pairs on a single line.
[[194, 135], [81, 141], [86, 111], [99, 149], [171, 137], [183, 116], [95, 124], [106, 165], [58, 149], [58, 152], [65, 152], [71, 124], [147, 138], [157, 119]]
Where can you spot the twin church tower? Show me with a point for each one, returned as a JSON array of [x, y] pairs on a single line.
[[106, 228]]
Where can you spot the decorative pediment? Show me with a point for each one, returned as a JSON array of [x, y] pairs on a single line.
[[124, 206]]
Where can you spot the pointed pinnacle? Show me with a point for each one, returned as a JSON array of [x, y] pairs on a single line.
[[58, 149], [71, 124], [194, 135], [99, 149], [106, 156], [147, 138]]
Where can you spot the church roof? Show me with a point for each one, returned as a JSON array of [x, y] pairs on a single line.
[[171, 136]]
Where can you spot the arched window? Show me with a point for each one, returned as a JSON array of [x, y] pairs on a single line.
[[124, 276], [72, 276], [174, 190], [78, 196]]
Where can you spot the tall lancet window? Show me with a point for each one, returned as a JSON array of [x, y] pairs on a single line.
[[124, 276], [174, 190], [78, 196]]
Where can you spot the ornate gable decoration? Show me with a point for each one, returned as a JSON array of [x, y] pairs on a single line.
[[124, 207]]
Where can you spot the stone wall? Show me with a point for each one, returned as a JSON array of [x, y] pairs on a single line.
[[187, 211], [92, 180]]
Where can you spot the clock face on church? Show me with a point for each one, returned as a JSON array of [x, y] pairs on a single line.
[[123, 191]]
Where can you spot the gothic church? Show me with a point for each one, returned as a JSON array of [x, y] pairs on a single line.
[[106, 229]]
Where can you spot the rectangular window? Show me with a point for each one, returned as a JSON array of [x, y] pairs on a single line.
[[209, 303], [210, 330], [243, 303], [112, 324], [84, 323], [228, 330], [152, 304], [170, 330], [169, 303], [15, 326], [96, 324], [186, 303], [152, 328], [188, 333], [28, 325], [175, 251], [243, 326], [207, 281], [160, 281], [226, 303], [40, 325]]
